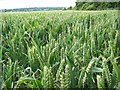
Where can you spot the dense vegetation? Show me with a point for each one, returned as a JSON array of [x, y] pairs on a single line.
[[96, 5], [67, 49]]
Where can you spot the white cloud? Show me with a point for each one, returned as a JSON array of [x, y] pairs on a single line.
[[6, 4]]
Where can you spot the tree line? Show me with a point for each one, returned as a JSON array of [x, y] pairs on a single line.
[[96, 5]]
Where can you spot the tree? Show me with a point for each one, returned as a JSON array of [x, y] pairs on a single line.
[[96, 5], [70, 8]]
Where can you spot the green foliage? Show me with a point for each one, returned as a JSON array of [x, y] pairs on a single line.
[[69, 8], [62, 49], [91, 7], [96, 5]]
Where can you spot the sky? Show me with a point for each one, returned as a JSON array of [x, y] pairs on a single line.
[[10, 4]]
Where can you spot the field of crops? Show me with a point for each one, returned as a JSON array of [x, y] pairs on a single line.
[[60, 49]]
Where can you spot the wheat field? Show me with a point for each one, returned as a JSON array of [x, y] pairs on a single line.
[[60, 49]]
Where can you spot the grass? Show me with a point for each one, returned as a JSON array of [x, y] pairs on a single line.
[[60, 49]]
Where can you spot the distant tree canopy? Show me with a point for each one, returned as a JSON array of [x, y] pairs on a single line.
[[33, 9], [96, 5]]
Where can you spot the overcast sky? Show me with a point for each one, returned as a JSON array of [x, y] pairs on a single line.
[[9, 4]]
